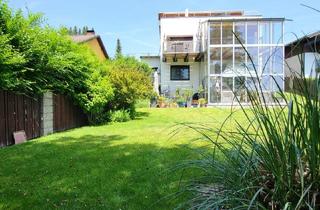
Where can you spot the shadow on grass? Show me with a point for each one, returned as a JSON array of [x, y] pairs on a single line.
[[141, 115], [91, 172]]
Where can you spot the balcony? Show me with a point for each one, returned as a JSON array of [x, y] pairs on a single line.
[[180, 48]]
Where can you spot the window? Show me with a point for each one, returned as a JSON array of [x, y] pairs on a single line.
[[265, 60], [227, 60], [240, 32], [277, 33], [227, 83], [277, 60], [215, 33], [227, 35], [252, 63], [264, 33], [180, 73], [215, 64], [215, 90], [252, 33], [239, 60]]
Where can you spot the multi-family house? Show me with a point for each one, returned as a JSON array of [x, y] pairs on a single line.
[[222, 54]]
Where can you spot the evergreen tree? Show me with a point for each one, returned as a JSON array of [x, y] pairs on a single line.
[[79, 31], [70, 31], [118, 49], [75, 30]]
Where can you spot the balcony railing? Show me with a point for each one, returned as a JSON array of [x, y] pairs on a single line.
[[179, 47]]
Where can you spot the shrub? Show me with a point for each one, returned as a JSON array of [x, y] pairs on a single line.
[[35, 58], [129, 83], [120, 116]]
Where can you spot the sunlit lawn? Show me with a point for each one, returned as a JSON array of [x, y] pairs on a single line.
[[116, 166]]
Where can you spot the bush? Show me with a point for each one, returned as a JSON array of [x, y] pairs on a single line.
[[129, 83], [120, 116], [35, 58]]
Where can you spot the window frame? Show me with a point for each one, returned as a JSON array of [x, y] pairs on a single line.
[[181, 67]]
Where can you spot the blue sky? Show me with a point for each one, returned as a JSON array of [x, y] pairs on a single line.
[[135, 21]]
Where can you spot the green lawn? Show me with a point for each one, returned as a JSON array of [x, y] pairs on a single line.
[[116, 166]]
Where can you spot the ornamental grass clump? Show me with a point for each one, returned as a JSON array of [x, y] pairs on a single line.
[[270, 162]]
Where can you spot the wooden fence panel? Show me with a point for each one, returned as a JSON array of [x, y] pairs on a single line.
[[17, 113], [3, 133], [66, 115]]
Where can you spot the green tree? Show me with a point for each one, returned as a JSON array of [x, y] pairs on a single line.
[[118, 49], [75, 30]]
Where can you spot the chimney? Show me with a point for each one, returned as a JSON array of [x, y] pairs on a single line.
[[91, 32]]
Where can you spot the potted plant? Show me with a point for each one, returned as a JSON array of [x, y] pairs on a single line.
[[181, 102], [161, 102], [188, 95], [202, 102]]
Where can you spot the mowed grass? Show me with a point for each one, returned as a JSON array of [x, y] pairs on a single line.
[[115, 166]]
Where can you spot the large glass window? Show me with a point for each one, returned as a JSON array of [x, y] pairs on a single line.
[[264, 33], [277, 82], [266, 83], [239, 88], [240, 32], [239, 61], [215, 89], [215, 60], [277, 33], [227, 90], [252, 83], [227, 83], [277, 60], [227, 35], [215, 33], [180, 73], [252, 63], [252, 33], [227, 60], [265, 60]]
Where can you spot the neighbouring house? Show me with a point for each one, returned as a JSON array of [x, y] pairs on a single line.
[[94, 42], [199, 51], [154, 63], [303, 58]]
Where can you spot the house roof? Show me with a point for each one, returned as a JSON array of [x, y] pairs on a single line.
[[307, 43], [200, 14], [88, 37]]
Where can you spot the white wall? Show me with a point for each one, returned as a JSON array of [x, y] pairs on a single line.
[[151, 61], [171, 86], [183, 26], [293, 64]]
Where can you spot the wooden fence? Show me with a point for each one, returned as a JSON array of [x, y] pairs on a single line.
[[66, 115], [17, 113]]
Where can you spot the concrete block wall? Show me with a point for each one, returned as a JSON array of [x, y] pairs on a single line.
[[47, 114]]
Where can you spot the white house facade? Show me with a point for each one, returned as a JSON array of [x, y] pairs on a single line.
[[222, 54]]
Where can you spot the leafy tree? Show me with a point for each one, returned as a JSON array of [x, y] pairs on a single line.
[[130, 81], [118, 49]]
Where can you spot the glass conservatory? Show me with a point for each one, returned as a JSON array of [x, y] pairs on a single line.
[[241, 55]]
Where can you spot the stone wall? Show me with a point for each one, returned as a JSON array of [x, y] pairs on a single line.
[[47, 114]]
